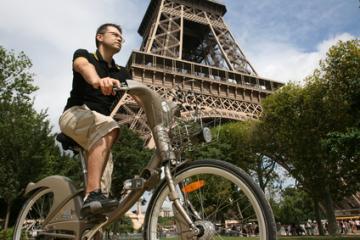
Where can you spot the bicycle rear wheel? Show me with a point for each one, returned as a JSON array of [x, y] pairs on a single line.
[[29, 224], [221, 199]]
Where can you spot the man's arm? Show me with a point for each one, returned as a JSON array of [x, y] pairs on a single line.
[[88, 72]]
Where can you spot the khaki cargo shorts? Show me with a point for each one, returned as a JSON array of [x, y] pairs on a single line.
[[86, 127]]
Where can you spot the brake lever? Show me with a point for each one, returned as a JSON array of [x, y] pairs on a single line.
[[123, 87]]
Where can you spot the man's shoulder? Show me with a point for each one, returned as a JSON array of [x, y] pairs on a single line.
[[81, 53], [121, 68], [82, 50]]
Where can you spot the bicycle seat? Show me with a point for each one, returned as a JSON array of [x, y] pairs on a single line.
[[67, 143]]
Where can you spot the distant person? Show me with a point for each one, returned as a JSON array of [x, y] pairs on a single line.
[[308, 227], [357, 223]]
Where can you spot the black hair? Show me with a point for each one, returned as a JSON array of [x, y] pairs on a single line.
[[103, 28]]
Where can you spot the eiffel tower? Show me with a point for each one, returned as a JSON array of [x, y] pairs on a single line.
[[187, 46]]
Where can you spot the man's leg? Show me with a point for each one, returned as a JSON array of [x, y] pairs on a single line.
[[96, 159], [95, 201]]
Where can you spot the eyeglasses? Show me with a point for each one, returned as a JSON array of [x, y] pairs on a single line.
[[116, 35]]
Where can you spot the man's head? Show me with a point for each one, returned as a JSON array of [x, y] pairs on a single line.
[[109, 35]]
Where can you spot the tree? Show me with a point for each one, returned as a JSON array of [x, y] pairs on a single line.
[[295, 207], [26, 141], [340, 76], [299, 122]]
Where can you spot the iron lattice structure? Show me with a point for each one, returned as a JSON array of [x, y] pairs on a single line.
[[188, 47]]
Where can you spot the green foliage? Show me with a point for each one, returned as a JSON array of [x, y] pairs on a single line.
[[305, 128], [15, 77], [26, 142], [238, 136], [349, 237], [298, 121], [130, 157], [295, 207], [340, 75], [344, 152], [6, 234], [124, 225], [166, 221], [25, 137], [64, 164], [214, 150]]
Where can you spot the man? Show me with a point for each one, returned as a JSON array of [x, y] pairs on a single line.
[[86, 115]]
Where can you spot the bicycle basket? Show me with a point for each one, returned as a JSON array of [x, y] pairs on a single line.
[[192, 125]]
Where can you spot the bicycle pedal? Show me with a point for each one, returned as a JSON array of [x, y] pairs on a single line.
[[135, 183]]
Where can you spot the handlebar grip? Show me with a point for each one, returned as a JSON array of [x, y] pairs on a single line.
[[123, 87]]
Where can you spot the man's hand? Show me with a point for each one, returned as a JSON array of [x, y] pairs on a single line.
[[107, 84]]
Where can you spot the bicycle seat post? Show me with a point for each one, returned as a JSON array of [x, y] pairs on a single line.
[[82, 157]]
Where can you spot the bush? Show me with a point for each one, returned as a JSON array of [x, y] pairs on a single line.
[[6, 235]]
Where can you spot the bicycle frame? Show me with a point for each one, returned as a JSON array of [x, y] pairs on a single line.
[[67, 199]]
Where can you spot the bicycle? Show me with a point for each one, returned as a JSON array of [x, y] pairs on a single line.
[[190, 200]]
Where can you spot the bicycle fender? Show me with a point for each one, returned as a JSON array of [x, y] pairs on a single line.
[[62, 185], [67, 202]]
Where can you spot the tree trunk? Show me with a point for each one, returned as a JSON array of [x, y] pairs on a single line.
[[260, 175], [6, 224], [318, 218], [330, 212], [7, 216]]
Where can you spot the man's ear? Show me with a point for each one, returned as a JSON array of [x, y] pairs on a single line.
[[100, 37]]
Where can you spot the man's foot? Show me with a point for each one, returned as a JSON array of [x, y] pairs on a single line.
[[97, 203]]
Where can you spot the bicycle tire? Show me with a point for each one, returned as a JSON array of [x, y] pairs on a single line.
[[215, 175], [38, 211]]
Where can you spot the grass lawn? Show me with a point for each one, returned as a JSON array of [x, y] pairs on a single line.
[[290, 238], [294, 238], [300, 238], [348, 237]]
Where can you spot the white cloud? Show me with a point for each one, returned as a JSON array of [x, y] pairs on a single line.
[[324, 46], [285, 62]]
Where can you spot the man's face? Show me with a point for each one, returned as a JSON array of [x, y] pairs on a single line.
[[111, 38]]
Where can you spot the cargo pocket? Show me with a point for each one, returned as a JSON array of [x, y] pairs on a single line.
[[85, 122], [67, 121]]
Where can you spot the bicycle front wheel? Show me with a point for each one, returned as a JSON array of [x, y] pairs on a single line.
[[221, 199]]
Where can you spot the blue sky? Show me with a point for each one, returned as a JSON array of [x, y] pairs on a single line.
[[303, 23], [284, 40]]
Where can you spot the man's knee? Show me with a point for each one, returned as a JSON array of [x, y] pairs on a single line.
[[112, 135]]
